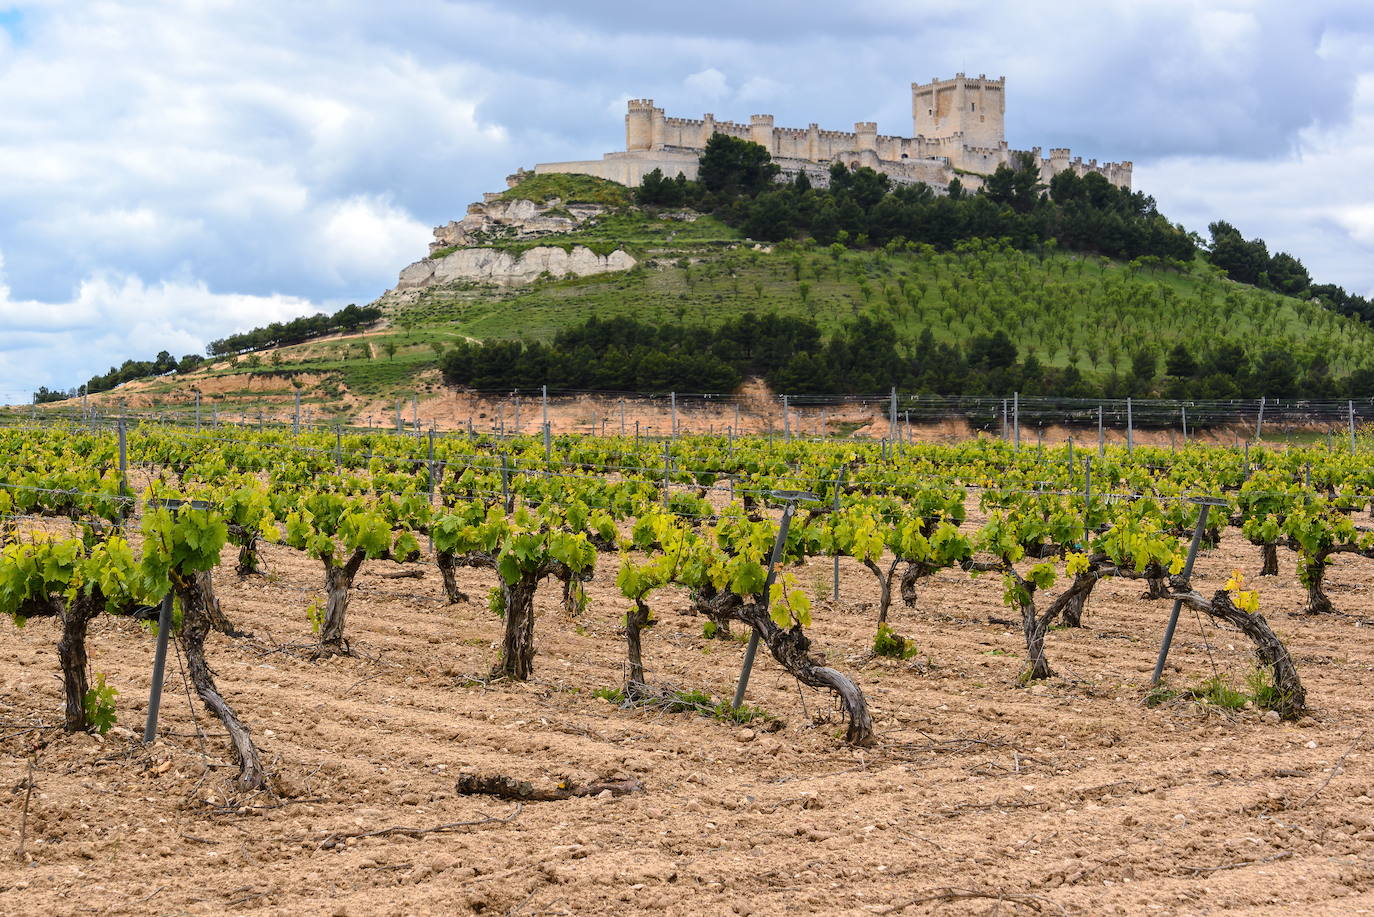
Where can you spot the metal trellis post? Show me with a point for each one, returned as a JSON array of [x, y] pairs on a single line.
[[1205, 506]]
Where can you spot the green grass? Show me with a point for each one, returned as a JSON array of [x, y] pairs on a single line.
[[889, 643], [571, 189], [687, 702]]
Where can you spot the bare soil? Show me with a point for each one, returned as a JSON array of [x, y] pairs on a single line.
[[1066, 797]]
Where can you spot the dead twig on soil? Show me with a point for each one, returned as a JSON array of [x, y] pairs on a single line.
[[1033, 902], [987, 807], [339, 840], [24, 819], [362, 681], [1335, 769], [1204, 870], [504, 787]]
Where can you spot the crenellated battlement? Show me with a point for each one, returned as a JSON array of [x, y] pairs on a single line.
[[958, 126]]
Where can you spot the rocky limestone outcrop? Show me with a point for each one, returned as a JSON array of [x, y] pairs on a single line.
[[490, 265], [514, 219]]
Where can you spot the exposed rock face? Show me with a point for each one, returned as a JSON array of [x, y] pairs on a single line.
[[489, 265], [512, 220]]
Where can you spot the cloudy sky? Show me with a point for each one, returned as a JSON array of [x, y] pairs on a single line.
[[172, 171]]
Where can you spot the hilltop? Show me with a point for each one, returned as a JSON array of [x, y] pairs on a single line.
[[983, 314]]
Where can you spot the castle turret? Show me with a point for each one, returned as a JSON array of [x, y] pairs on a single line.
[[708, 127], [867, 133], [639, 124], [761, 131]]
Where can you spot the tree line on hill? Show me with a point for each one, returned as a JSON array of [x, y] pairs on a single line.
[[277, 334], [737, 181], [865, 356]]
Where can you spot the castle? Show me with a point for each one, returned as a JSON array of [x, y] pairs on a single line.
[[958, 128]]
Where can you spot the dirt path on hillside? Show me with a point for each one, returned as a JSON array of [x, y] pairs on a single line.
[[1067, 797]]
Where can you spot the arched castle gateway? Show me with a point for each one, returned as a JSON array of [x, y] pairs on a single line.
[[958, 126]]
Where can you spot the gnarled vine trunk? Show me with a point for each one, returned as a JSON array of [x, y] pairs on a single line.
[[791, 648], [636, 620], [71, 652], [247, 540], [1269, 554], [517, 642], [1290, 698], [1035, 626], [704, 603], [908, 589], [195, 625], [1077, 604], [884, 586], [338, 584], [1314, 573], [448, 568], [1156, 587], [205, 585]]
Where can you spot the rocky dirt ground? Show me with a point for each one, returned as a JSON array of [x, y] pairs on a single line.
[[1069, 797]]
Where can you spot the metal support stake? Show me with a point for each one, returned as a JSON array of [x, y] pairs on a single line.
[[1101, 438], [1087, 501], [1184, 410], [667, 470], [1130, 429], [505, 483], [672, 398], [1016, 420], [548, 448], [123, 460], [786, 420], [544, 397], [790, 507], [1206, 506], [839, 486], [1259, 421], [892, 419], [164, 627], [1350, 407]]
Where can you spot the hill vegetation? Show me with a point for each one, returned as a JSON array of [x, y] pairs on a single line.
[[1080, 288]]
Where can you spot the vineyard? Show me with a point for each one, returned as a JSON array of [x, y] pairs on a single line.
[[711, 674]]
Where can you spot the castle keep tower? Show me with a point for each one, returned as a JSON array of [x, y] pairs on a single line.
[[942, 109]]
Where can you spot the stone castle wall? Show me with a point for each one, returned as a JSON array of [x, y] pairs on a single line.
[[959, 128]]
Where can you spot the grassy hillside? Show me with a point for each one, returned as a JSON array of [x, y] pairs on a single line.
[[1065, 309]]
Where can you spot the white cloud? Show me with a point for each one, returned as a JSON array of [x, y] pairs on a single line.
[[760, 88], [708, 84], [1313, 202], [370, 235], [111, 318]]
